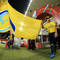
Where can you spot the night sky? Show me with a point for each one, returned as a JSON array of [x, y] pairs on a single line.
[[20, 5]]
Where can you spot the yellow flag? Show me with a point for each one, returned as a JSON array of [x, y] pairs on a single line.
[[26, 27]]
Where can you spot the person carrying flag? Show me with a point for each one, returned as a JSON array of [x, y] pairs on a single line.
[[52, 30]]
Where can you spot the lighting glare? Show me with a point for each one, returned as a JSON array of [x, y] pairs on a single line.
[[21, 28], [22, 23]]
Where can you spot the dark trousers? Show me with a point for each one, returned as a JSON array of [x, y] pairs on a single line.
[[10, 42], [31, 44], [52, 42]]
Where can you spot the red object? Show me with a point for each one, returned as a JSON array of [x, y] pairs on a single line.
[[25, 44], [39, 45], [5, 41], [6, 46]]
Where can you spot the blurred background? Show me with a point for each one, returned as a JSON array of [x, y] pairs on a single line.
[[31, 5]]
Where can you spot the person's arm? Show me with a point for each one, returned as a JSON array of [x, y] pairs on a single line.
[[56, 34]]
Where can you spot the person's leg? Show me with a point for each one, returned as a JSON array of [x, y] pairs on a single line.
[[33, 44], [44, 38], [52, 45], [29, 44], [55, 42], [8, 44]]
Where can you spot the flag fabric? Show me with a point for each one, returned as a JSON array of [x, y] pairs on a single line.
[[4, 21], [26, 27], [13, 26]]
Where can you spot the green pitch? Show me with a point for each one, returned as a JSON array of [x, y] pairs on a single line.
[[25, 54]]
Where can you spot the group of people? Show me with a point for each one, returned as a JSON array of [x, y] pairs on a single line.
[[53, 36]]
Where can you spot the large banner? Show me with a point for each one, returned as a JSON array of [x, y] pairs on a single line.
[[26, 27]]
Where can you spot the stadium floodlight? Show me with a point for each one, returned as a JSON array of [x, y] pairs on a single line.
[[28, 7]]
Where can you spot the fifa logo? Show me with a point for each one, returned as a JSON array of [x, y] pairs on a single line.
[[2, 14]]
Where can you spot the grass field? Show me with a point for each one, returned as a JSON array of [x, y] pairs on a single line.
[[25, 54]]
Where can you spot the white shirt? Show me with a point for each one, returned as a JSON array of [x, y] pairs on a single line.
[[43, 31]]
